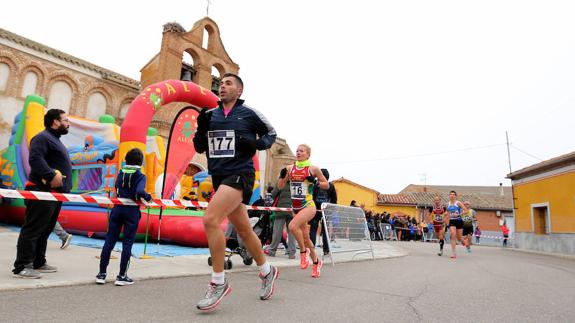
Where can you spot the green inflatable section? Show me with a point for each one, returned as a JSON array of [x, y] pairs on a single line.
[[106, 118], [152, 131], [174, 212]]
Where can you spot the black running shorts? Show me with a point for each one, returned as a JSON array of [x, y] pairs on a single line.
[[457, 223], [467, 230], [242, 182]]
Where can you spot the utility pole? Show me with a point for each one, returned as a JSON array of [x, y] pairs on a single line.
[[508, 152], [512, 188]]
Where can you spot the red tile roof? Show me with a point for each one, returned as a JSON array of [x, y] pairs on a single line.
[[547, 165], [399, 199], [479, 201]]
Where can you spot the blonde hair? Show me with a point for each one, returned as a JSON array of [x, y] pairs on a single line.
[[307, 148]]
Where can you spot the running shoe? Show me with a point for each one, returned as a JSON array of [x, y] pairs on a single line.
[[214, 296], [269, 283], [316, 269], [66, 242], [304, 259], [453, 257], [101, 278], [123, 281], [440, 253], [46, 269], [28, 273]]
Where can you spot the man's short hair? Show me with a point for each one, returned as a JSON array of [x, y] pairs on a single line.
[[238, 79], [51, 115], [134, 157], [454, 192], [325, 173]]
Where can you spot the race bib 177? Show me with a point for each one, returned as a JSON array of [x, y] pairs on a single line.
[[221, 143]]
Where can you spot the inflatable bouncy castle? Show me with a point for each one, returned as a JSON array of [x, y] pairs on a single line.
[[96, 150]]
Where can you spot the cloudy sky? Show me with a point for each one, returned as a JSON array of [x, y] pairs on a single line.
[[387, 93]]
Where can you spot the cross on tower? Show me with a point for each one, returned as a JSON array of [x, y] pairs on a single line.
[[208, 3]]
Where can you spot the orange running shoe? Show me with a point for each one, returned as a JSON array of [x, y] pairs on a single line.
[[304, 260], [316, 269]]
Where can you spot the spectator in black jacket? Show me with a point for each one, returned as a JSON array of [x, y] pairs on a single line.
[[322, 196], [50, 170]]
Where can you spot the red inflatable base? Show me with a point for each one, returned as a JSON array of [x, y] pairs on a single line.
[[93, 222]]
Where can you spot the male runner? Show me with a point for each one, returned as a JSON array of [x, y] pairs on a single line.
[[467, 218], [455, 209], [230, 135]]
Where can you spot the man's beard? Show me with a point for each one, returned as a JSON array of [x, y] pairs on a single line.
[[62, 130]]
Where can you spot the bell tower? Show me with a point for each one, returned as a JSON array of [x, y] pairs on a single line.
[[197, 55]]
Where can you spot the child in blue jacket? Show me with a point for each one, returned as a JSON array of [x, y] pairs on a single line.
[[131, 184]]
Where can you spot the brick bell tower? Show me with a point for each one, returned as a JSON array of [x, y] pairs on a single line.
[[207, 54], [204, 45]]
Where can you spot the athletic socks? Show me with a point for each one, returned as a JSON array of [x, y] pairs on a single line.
[[265, 269], [441, 242], [219, 278]]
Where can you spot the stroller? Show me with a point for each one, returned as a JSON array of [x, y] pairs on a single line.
[[260, 223]]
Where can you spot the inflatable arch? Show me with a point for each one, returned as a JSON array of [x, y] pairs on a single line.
[[153, 97]]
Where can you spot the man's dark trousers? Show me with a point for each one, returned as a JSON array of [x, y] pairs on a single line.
[[128, 218], [41, 217]]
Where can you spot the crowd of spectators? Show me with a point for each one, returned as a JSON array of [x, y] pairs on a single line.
[[406, 228]]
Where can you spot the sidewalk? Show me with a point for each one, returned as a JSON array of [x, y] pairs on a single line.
[[79, 265]]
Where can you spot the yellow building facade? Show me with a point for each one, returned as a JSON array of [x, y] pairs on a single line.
[[348, 191], [545, 205]]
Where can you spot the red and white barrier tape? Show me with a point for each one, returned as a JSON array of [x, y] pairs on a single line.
[[492, 237], [99, 199]]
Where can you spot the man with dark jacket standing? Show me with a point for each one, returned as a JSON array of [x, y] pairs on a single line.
[[50, 171], [322, 196]]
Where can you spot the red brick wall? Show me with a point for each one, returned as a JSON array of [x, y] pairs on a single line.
[[488, 220]]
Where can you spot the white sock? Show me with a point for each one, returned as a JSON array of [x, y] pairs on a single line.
[[265, 268], [219, 278]]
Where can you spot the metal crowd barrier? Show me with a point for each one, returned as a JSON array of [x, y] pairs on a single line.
[[346, 230]]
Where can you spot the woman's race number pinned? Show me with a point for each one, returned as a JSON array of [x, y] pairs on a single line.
[[298, 190]]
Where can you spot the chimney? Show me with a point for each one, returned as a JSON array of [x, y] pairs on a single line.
[[501, 192]]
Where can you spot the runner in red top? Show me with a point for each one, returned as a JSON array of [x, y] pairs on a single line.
[[438, 213], [302, 179]]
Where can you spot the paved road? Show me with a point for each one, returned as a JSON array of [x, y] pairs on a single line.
[[487, 285]]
